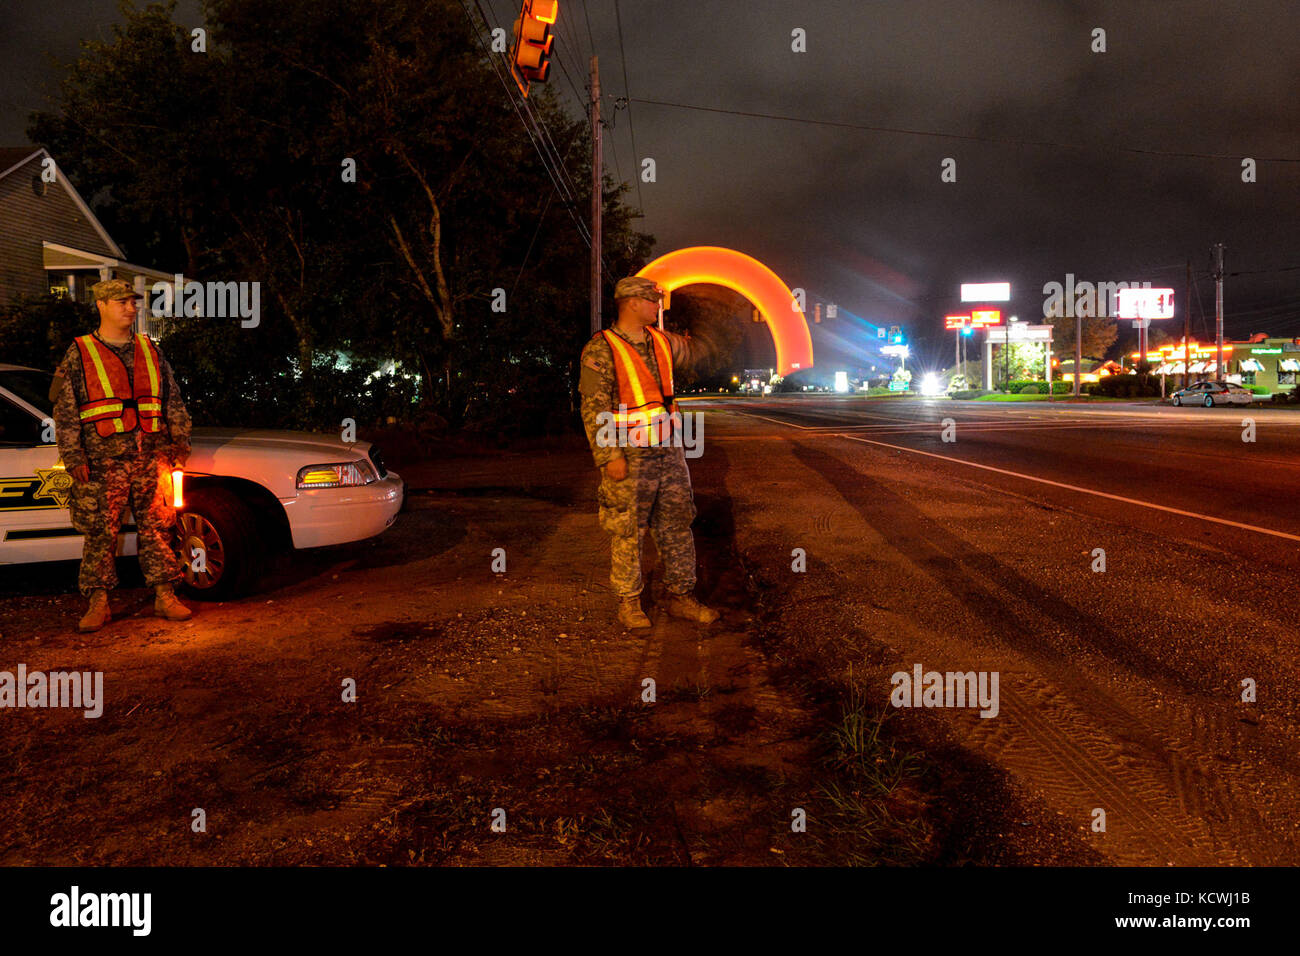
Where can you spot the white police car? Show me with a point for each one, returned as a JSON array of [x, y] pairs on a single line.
[[245, 493]]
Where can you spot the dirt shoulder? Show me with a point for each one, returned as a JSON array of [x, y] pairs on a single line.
[[483, 696]]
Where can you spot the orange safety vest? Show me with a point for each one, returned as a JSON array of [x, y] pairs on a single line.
[[644, 411], [112, 404]]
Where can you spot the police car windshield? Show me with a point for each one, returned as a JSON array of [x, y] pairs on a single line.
[[31, 386]]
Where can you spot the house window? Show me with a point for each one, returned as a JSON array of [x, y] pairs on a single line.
[[1286, 378], [1247, 378]]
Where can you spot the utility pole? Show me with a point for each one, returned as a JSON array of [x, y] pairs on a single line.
[[596, 197], [1187, 326], [1218, 307]]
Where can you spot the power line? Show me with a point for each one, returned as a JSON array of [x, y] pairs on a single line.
[[1260, 272], [543, 132], [577, 94], [613, 148], [573, 49], [557, 180], [590, 38], [542, 218], [572, 85], [962, 136], [628, 96]]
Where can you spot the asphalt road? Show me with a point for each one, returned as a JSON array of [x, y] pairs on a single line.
[[1121, 684]]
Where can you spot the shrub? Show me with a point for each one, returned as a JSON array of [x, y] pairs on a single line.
[[37, 332], [1031, 390], [1058, 387], [1125, 386]]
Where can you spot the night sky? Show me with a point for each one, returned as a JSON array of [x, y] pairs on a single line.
[[1064, 174]]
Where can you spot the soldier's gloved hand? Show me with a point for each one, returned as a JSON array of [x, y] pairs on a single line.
[[80, 474], [616, 470]]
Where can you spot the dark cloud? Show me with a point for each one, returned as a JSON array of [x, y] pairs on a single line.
[[861, 217]]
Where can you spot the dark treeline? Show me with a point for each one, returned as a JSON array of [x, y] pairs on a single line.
[[376, 295]]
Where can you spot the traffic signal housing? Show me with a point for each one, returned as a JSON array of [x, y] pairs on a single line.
[[530, 58]]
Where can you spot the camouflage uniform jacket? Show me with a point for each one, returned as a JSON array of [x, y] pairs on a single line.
[[80, 445], [598, 383]]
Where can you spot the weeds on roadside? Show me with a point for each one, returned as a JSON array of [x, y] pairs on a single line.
[[870, 815]]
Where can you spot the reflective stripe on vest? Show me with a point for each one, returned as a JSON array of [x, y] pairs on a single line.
[[643, 412], [112, 404]]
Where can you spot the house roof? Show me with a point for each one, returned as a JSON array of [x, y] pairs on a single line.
[[11, 157], [15, 157]]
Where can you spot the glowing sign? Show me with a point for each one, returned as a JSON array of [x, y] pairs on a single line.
[[733, 270], [900, 350], [986, 317], [1146, 303], [986, 292], [956, 321]]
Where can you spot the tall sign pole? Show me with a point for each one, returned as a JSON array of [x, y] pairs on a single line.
[[1187, 325], [1078, 351], [596, 197], [1218, 307]]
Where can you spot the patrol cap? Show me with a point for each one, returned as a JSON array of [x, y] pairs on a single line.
[[637, 287], [113, 289]]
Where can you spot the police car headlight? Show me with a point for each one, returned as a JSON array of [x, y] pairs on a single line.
[[344, 474]]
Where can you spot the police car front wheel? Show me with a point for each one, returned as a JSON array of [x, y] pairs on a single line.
[[220, 548]]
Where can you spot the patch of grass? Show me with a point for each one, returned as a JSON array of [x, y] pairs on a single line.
[[872, 812], [687, 689], [859, 749], [612, 837]]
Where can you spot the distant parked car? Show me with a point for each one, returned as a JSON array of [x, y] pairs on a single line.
[[1210, 394]]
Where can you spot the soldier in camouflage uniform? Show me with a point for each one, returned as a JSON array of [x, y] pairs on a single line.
[[130, 465], [641, 488]]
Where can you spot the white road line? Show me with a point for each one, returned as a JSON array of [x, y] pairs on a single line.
[[777, 420], [1084, 491]]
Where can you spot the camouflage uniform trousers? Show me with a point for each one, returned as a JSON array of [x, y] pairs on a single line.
[[143, 482], [656, 496]]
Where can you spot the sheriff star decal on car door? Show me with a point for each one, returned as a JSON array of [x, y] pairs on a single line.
[[56, 485]]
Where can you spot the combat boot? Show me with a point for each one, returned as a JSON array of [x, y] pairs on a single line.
[[165, 604], [98, 614], [685, 606], [630, 613]]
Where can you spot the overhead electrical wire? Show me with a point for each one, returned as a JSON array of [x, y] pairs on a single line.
[[558, 175], [539, 124], [627, 95], [961, 136]]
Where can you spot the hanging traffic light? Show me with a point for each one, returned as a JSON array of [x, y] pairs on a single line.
[[530, 59]]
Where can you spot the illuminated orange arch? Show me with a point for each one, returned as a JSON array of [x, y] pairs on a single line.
[[755, 281]]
